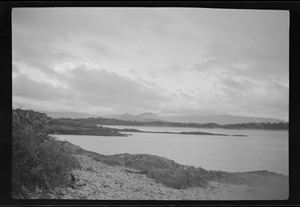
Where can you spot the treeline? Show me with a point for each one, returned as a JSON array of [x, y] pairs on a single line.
[[39, 162], [262, 125], [80, 127]]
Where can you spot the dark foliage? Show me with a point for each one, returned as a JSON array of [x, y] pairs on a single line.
[[79, 127], [38, 160]]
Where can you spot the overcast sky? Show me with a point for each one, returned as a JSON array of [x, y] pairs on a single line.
[[166, 61]]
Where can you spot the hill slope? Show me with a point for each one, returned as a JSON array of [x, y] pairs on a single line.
[[221, 119], [144, 117]]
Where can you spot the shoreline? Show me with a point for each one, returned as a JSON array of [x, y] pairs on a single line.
[[143, 177], [233, 167]]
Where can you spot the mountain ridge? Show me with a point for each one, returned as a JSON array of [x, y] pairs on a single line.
[[222, 119], [151, 117], [218, 119]]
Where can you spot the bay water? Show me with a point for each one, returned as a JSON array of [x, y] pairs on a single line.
[[259, 150]]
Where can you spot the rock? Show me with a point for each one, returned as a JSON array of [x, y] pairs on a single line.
[[67, 197], [168, 177], [37, 190], [25, 192], [52, 192], [81, 183], [162, 170], [81, 193], [90, 169], [19, 196], [51, 196], [163, 179], [70, 190], [63, 191]]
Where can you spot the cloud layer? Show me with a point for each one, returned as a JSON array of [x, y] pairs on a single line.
[[168, 61]]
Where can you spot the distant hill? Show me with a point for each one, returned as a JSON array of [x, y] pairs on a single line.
[[145, 117], [218, 119], [150, 117]]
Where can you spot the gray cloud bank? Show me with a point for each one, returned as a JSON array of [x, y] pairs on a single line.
[[222, 61]]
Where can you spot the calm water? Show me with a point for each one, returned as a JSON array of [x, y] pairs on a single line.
[[260, 150]]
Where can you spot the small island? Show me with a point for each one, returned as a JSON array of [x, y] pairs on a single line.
[[187, 133]]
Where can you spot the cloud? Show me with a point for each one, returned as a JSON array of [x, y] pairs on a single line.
[[229, 60], [99, 48], [103, 88], [15, 68], [69, 23], [269, 99], [39, 55], [25, 87], [236, 88], [205, 66], [276, 96]]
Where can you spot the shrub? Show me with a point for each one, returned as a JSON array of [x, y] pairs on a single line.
[[37, 159]]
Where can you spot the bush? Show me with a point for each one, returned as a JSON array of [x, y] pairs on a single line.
[[37, 159]]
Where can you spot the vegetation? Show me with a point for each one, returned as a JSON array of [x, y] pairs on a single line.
[[38, 160], [262, 125], [79, 127]]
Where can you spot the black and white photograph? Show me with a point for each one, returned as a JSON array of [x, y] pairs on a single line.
[[150, 103]]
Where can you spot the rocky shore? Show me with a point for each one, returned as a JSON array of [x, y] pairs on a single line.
[[149, 177]]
